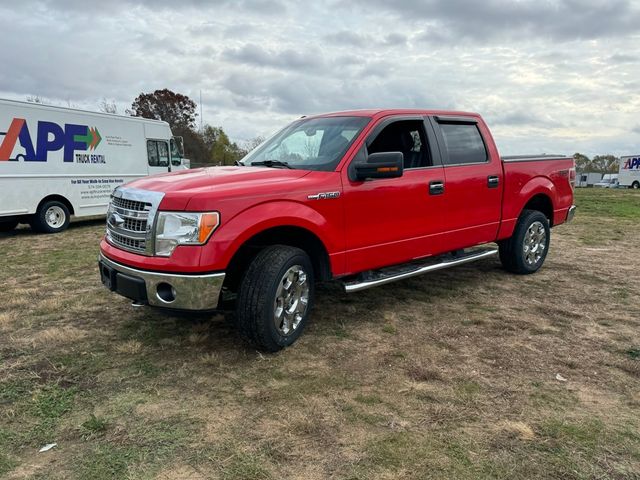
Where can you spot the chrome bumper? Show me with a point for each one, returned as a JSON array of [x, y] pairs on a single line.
[[167, 290], [571, 213]]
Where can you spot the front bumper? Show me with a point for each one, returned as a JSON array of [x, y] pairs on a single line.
[[571, 213], [166, 290]]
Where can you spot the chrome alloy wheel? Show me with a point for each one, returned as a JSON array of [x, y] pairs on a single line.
[[292, 299], [55, 217], [535, 243]]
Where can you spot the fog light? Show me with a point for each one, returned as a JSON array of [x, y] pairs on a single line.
[[166, 292]]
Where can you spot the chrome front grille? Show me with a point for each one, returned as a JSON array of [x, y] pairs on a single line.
[[130, 219], [127, 204], [127, 243], [135, 224]]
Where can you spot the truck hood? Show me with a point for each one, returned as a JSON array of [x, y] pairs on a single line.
[[180, 187]]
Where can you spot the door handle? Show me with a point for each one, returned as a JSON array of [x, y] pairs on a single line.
[[436, 187], [493, 181]]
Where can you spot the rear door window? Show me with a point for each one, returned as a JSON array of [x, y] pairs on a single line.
[[463, 143]]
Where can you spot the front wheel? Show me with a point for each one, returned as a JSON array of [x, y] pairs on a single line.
[[275, 297], [52, 217], [527, 248], [635, 185]]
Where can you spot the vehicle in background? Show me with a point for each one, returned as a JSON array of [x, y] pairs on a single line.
[[609, 180], [57, 162], [362, 197], [629, 174], [587, 179]]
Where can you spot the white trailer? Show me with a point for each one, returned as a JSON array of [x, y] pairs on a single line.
[[57, 162], [587, 179], [629, 174]]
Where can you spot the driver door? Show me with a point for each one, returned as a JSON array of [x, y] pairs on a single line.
[[395, 220]]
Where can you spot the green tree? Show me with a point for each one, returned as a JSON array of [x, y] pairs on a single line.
[[583, 163], [605, 163], [222, 150]]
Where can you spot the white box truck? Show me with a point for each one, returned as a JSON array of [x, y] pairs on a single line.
[[57, 162], [629, 174]]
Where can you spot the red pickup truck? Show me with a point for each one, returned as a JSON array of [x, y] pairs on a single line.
[[361, 197]]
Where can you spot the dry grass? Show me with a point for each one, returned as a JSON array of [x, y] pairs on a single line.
[[449, 375]]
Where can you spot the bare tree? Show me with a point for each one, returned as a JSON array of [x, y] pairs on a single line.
[[38, 99], [252, 143], [108, 106]]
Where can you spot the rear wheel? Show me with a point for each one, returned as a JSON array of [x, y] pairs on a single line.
[[52, 217], [6, 225], [635, 185], [527, 248], [275, 297]]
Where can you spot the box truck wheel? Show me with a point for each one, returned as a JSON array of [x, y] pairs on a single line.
[[52, 217], [635, 185], [275, 297], [527, 248], [7, 224]]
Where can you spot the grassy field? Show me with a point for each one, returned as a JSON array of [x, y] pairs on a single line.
[[452, 375]]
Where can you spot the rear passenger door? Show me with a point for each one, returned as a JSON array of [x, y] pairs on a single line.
[[473, 181]]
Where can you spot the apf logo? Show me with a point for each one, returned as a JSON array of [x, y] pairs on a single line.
[[632, 163], [50, 137]]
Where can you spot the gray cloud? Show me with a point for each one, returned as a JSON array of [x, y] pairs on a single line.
[[560, 20], [287, 59], [623, 58]]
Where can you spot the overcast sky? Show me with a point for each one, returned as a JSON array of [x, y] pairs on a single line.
[[548, 76]]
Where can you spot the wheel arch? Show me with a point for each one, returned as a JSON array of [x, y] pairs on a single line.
[[60, 198], [289, 235], [536, 194], [542, 203]]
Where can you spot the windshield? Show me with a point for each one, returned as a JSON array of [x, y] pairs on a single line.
[[309, 144]]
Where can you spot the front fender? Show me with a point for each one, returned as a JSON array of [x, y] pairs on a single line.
[[231, 235], [516, 197]]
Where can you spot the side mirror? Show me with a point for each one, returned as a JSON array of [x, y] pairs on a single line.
[[381, 165]]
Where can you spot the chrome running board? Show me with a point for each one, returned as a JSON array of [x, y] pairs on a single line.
[[400, 272]]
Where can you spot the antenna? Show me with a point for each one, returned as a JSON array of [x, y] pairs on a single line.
[[200, 110]]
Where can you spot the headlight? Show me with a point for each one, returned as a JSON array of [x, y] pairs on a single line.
[[183, 228]]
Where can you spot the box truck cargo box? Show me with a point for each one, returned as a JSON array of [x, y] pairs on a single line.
[[629, 174]]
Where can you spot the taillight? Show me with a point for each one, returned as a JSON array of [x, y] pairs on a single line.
[[572, 177]]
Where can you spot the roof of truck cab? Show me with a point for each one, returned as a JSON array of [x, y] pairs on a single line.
[[383, 112]]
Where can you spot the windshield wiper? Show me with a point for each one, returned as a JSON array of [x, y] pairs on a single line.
[[271, 163]]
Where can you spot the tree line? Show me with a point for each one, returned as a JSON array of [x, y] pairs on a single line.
[[598, 164]]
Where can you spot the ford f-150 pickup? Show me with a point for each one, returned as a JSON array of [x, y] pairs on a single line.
[[361, 197]]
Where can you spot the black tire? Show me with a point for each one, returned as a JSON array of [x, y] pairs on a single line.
[[257, 296], [52, 217], [635, 185], [521, 259], [8, 225]]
